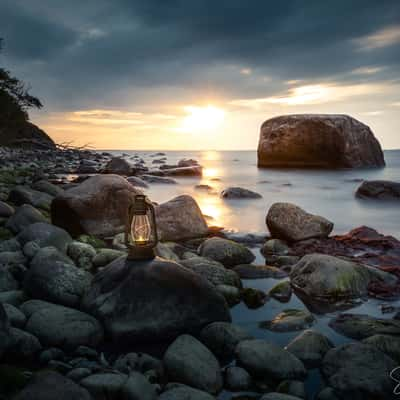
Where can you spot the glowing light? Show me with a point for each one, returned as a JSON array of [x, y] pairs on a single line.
[[202, 118], [210, 173]]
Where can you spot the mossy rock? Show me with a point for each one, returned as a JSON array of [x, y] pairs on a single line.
[[281, 291], [289, 320], [253, 298], [12, 380], [93, 241]]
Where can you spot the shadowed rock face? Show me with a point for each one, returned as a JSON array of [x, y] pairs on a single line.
[[318, 141], [154, 300]]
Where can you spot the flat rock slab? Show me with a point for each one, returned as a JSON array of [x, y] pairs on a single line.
[[152, 300]]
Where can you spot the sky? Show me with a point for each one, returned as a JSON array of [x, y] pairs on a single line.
[[204, 74]]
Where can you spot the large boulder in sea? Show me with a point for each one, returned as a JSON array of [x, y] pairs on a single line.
[[380, 190], [98, 206], [289, 222], [151, 300], [318, 141], [179, 219], [325, 278]]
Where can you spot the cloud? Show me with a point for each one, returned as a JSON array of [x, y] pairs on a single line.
[[367, 70], [385, 37]]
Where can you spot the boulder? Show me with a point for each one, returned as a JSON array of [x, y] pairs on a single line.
[[289, 320], [187, 162], [239, 193], [230, 293], [158, 179], [136, 181], [326, 278], [16, 317], [137, 387], [183, 392], [225, 251], [142, 301], [360, 326], [98, 206], [58, 326], [211, 270], [195, 170], [388, 344], [55, 280], [5, 328], [310, 347], [292, 388], [23, 346], [180, 219], [49, 385], [24, 216], [251, 271], [262, 359], [318, 141], [381, 190], [237, 379], [282, 291], [47, 187], [7, 280], [275, 247], [45, 235], [190, 362], [118, 166], [359, 371], [222, 338], [105, 256], [82, 254], [20, 195], [6, 210], [289, 222], [104, 385]]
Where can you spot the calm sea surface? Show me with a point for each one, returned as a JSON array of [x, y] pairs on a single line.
[[327, 193]]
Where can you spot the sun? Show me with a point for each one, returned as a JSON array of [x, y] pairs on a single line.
[[200, 119]]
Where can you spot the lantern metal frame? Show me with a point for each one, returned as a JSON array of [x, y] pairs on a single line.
[[141, 206]]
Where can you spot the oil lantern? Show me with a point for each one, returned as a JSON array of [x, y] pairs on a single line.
[[141, 229]]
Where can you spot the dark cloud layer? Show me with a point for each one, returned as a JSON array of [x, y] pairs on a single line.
[[79, 53]]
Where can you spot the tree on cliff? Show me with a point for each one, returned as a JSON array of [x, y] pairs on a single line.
[[15, 99], [15, 127]]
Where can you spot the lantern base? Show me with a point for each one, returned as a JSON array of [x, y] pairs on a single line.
[[141, 253]]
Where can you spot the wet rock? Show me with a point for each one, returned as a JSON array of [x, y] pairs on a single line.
[[142, 301], [211, 270], [239, 193], [195, 170], [6, 210], [253, 298], [24, 216], [118, 166], [222, 338], [227, 252], [230, 293], [15, 316], [289, 321], [47, 187], [14, 297], [284, 262], [359, 371], [281, 291], [136, 181], [10, 245], [289, 222], [52, 385], [261, 359], [137, 387], [185, 162], [20, 195], [96, 207], [237, 379], [190, 362], [310, 347], [251, 271], [327, 278], [180, 219], [45, 235], [106, 256], [360, 326], [245, 237], [31, 306], [58, 326], [12, 258], [158, 179], [388, 344], [166, 250], [380, 190], [56, 281], [275, 247], [104, 385], [23, 346], [52, 353], [77, 374], [292, 388], [318, 141], [183, 392], [93, 241], [82, 254]]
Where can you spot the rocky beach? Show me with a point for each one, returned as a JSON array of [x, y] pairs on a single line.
[[295, 311]]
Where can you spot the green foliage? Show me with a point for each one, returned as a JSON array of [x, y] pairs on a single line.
[[93, 241]]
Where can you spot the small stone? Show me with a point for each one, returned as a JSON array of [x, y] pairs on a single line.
[[281, 291], [230, 293], [239, 193], [276, 247], [253, 298], [289, 320]]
